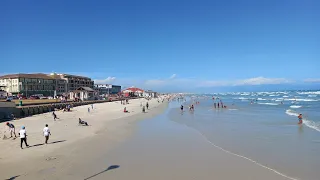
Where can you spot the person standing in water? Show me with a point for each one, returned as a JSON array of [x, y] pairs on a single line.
[[300, 119], [181, 107], [23, 136], [46, 133]]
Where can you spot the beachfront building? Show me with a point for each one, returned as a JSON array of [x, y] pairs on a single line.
[[105, 89], [83, 93], [72, 82], [28, 84], [47, 84], [133, 91], [150, 93]]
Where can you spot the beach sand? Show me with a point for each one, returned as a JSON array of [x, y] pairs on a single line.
[[108, 125], [158, 149]]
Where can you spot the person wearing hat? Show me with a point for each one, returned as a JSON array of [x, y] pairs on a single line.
[[46, 133], [23, 136], [12, 129]]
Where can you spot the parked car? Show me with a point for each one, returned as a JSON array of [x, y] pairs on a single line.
[[34, 97]]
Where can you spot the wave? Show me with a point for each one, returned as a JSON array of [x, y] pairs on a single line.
[[307, 100], [285, 96], [271, 104], [233, 109], [261, 99], [295, 106], [291, 112], [310, 92], [312, 95], [309, 123]]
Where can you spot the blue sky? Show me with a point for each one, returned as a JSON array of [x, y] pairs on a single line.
[[166, 45]]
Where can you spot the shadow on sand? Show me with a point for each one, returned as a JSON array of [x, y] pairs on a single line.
[[108, 169], [54, 142], [12, 178]]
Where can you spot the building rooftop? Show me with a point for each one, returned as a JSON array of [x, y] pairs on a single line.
[[20, 75]]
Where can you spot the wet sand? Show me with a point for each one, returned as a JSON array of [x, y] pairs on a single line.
[[163, 149]]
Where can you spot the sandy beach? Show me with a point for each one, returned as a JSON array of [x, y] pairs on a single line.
[[107, 122], [119, 146]]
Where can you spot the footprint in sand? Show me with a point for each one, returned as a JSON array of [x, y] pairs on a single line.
[[50, 158]]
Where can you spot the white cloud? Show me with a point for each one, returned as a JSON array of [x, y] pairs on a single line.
[[108, 80], [186, 83], [261, 81], [312, 80], [172, 76]]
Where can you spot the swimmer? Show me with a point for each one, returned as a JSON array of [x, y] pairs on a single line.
[[300, 119]]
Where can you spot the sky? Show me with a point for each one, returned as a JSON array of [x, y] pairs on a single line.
[[167, 45]]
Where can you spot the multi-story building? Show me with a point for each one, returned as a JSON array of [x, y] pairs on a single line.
[[46, 84], [75, 82], [104, 89], [28, 84]]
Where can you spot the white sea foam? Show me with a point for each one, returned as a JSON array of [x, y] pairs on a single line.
[[271, 104], [310, 92], [295, 106], [291, 112], [233, 109], [312, 95], [307, 122], [285, 96], [307, 100], [261, 99]]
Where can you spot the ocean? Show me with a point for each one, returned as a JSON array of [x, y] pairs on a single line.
[[261, 126]]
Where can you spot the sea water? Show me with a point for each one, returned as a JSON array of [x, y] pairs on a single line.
[[262, 126]]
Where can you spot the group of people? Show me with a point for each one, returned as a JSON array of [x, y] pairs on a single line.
[[23, 134], [219, 105]]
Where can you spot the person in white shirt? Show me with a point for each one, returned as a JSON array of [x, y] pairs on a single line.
[[46, 133], [23, 136]]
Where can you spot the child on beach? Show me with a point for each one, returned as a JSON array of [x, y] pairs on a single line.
[[82, 122], [54, 116], [23, 136], [300, 119], [46, 133]]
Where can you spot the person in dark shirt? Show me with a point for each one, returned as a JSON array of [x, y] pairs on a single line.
[[12, 129]]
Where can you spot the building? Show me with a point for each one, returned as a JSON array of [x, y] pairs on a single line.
[[135, 91], [83, 93], [68, 82], [28, 84], [47, 84], [104, 89], [150, 93]]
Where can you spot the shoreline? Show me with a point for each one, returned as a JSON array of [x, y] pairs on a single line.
[[179, 153], [115, 128]]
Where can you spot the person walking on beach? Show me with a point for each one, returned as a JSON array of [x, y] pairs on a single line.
[[88, 109], [23, 136], [12, 129], [91, 106], [147, 105], [215, 105], [46, 133], [54, 116]]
